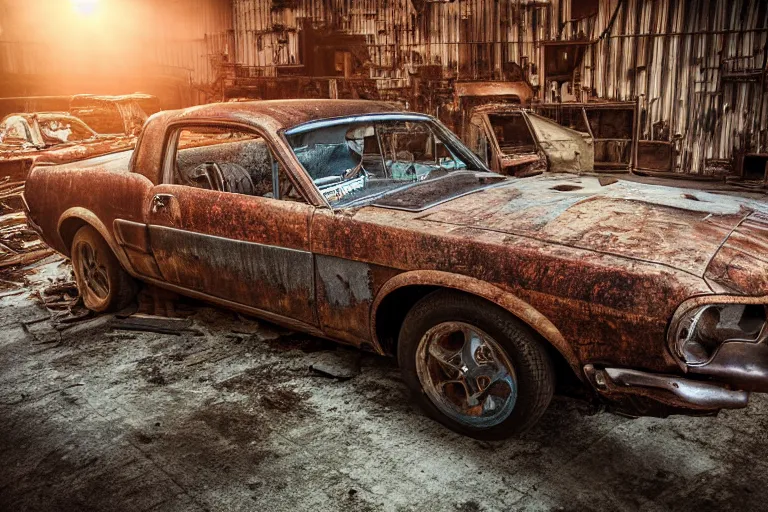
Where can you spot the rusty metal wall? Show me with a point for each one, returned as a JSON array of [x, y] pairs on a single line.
[[461, 36], [189, 34], [697, 67], [680, 58]]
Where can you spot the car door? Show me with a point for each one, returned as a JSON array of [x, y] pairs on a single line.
[[218, 226], [567, 150], [477, 140]]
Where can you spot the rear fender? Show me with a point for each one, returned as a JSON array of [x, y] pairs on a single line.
[[74, 218]]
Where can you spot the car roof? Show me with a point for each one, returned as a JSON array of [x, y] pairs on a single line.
[[499, 108], [138, 96], [281, 114]]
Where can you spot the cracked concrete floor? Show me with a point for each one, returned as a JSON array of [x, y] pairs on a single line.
[[234, 419]]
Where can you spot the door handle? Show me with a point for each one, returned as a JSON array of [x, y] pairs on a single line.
[[160, 201]]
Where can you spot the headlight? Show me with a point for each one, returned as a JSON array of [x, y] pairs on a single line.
[[700, 331]]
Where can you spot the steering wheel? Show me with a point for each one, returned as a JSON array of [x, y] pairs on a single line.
[[213, 175], [198, 177], [237, 179]]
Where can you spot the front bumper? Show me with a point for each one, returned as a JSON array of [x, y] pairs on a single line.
[[676, 393], [740, 365], [739, 362]]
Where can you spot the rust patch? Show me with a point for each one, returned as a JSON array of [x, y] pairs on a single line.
[[346, 283]]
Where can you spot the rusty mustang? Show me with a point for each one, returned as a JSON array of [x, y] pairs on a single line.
[[377, 228]]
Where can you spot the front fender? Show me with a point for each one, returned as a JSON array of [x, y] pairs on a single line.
[[502, 298]]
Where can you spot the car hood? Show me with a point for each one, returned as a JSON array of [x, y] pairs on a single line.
[[741, 264], [680, 228]]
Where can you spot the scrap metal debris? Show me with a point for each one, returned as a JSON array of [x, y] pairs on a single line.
[[158, 324], [338, 364], [23, 253], [60, 296], [19, 245]]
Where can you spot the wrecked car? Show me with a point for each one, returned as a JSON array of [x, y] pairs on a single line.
[[114, 115], [50, 137], [516, 142], [353, 221]]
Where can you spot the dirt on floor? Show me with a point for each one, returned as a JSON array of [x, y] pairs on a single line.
[[237, 414]]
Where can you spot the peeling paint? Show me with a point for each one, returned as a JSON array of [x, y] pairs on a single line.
[[346, 282]]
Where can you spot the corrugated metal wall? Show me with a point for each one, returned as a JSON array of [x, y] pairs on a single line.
[[693, 64], [462, 36], [696, 68]]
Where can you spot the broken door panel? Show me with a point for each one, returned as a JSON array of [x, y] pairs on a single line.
[[517, 153], [567, 150]]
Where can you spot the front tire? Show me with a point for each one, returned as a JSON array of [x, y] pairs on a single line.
[[474, 367], [102, 282]]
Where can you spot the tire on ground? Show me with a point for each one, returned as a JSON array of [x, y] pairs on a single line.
[[122, 288], [533, 368]]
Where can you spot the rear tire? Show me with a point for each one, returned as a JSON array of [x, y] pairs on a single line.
[[474, 367], [102, 282]]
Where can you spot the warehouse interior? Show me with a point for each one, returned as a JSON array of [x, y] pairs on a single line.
[[694, 69], [631, 137]]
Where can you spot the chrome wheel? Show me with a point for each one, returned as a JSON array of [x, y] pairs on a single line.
[[466, 374], [92, 270]]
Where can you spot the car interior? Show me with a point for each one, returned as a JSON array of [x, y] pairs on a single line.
[[227, 161], [348, 161]]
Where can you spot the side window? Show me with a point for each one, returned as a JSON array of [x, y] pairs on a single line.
[[512, 132], [229, 160], [15, 133]]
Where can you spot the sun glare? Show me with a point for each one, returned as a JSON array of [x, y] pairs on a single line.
[[85, 7]]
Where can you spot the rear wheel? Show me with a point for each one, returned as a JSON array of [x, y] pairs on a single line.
[[473, 367], [102, 282]]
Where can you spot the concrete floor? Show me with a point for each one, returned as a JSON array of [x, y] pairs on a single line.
[[235, 419]]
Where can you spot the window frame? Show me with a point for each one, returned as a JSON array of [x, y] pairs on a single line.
[[438, 129], [171, 148]]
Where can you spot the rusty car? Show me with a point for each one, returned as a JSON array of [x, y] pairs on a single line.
[[50, 137], [358, 222], [518, 142], [114, 114]]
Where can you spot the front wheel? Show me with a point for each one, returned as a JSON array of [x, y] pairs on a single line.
[[473, 367], [102, 282]]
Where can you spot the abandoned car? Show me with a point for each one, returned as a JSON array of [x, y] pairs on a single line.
[[124, 115], [517, 142], [50, 137], [356, 222]]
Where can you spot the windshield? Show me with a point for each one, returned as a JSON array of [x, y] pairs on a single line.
[[56, 130], [357, 160], [13, 130]]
